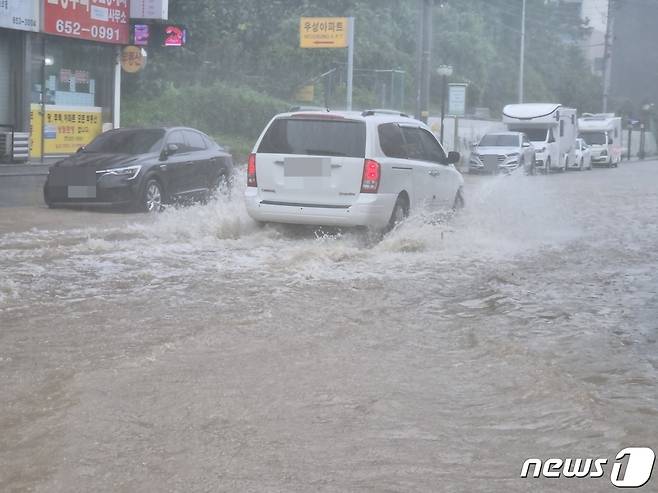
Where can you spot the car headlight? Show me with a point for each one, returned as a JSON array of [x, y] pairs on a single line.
[[603, 153], [129, 172]]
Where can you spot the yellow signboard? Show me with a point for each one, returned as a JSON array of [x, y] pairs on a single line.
[[133, 59], [67, 128], [323, 32]]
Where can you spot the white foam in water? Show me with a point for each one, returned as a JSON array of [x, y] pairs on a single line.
[[504, 216]]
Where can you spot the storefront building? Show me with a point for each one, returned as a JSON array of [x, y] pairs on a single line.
[[59, 70]]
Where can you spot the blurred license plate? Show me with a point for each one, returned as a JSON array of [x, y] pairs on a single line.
[[305, 166], [82, 191]]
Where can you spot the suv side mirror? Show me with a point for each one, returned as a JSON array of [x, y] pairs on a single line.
[[526, 144], [453, 157]]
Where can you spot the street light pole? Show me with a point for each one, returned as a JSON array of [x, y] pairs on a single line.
[[424, 58], [607, 55], [443, 103], [522, 61], [350, 62], [444, 71]]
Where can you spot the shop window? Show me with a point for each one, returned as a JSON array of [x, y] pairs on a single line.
[[77, 73]]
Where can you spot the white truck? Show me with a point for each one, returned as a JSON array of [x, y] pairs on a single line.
[[552, 129], [602, 132]]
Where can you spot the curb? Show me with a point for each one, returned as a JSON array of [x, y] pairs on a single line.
[[10, 175]]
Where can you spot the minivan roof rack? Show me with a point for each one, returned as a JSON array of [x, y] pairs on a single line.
[[383, 112]]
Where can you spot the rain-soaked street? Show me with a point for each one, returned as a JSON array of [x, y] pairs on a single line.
[[195, 351]]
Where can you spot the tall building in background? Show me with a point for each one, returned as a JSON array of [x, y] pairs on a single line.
[[635, 54], [595, 13]]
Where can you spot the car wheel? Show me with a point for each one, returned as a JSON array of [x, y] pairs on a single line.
[[400, 212], [582, 164], [547, 166], [459, 202], [152, 196]]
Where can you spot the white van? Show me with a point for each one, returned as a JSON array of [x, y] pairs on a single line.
[[602, 132], [348, 169], [551, 128]]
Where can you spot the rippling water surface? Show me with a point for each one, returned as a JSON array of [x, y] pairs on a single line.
[[196, 351]]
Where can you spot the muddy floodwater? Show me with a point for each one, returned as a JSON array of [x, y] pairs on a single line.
[[196, 351]]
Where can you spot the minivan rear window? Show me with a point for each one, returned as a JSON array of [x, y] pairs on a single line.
[[315, 137]]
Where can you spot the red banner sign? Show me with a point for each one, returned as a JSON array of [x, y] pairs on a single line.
[[106, 21]]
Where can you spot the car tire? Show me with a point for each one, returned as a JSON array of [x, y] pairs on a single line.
[[152, 198], [582, 164], [547, 166], [400, 212], [459, 201]]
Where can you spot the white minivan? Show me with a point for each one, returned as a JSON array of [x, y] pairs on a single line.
[[331, 168]]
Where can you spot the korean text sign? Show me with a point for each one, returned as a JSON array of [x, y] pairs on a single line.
[[65, 130], [323, 32], [20, 14], [106, 21]]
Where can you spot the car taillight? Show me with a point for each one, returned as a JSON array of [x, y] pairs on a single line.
[[371, 176], [251, 171]]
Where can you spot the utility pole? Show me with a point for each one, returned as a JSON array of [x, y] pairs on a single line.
[[522, 61], [424, 58], [350, 62], [607, 54]]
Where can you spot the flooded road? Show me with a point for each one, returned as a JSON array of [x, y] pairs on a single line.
[[195, 351]]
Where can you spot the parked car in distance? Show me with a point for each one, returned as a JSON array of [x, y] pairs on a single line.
[[143, 168], [502, 151], [348, 169], [583, 156], [602, 133]]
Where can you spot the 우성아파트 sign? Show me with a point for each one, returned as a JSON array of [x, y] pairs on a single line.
[[323, 32]]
